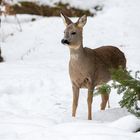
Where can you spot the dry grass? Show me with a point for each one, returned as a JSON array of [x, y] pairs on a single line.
[[45, 10]]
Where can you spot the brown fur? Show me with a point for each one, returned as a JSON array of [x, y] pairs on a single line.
[[89, 67], [92, 66]]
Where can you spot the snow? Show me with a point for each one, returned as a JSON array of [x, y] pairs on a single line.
[[132, 125], [35, 91]]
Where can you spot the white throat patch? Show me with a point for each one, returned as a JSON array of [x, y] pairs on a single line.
[[74, 56], [74, 47]]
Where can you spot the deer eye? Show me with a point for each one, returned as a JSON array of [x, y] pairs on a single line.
[[73, 33]]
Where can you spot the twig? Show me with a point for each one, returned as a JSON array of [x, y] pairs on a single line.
[[20, 28]]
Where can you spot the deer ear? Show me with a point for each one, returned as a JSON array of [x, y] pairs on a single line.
[[82, 21], [66, 20]]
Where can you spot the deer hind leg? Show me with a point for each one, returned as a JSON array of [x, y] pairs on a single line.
[[75, 100], [105, 99], [89, 101]]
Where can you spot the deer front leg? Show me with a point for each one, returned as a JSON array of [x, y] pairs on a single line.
[[105, 98], [75, 100], [89, 101]]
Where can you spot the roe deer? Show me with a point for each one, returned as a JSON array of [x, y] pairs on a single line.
[[88, 67]]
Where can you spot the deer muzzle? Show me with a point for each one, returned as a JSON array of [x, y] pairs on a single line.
[[65, 41]]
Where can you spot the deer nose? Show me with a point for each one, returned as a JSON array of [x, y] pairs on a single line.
[[65, 41]]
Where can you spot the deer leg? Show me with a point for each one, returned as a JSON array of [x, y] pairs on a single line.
[[89, 101], [105, 98], [75, 100]]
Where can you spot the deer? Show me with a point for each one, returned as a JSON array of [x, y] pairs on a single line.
[[88, 68]]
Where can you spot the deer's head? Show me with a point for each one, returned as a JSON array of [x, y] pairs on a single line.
[[73, 32]]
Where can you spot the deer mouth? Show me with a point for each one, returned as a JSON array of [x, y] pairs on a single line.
[[65, 42]]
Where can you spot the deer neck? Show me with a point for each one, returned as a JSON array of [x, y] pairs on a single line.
[[78, 53]]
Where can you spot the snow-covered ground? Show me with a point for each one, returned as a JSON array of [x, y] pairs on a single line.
[[35, 91]]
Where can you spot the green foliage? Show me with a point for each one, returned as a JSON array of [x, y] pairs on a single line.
[[129, 87], [102, 89], [126, 85]]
